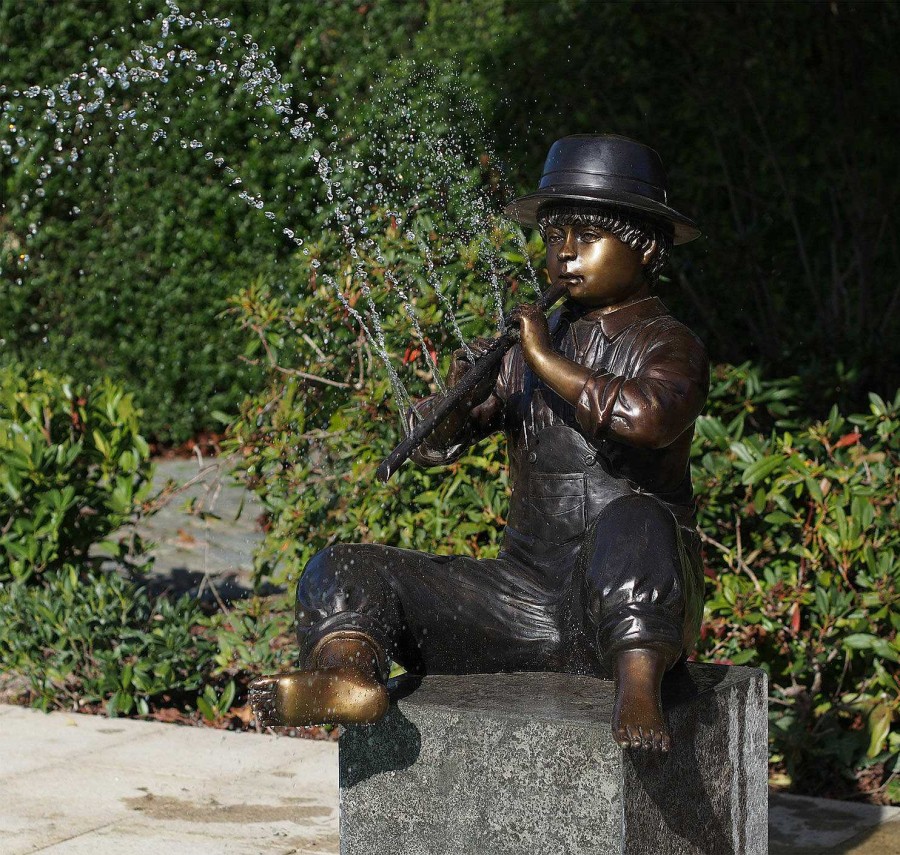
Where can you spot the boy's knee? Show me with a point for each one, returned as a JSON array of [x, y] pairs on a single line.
[[340, 578], [640, 514], [321, 576], [333, 562]]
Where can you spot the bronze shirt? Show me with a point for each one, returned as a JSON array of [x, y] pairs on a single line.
[[649, 381]]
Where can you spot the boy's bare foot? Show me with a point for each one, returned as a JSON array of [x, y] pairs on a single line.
[[637, 720], [323, 696], [344, 688]]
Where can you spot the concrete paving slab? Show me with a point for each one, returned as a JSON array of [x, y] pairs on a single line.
[[216, 539], [57, 747], [130, 786], [798, 824]]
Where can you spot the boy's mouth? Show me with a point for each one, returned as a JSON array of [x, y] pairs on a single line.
[[569, 279]]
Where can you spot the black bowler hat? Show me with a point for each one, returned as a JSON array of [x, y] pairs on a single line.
[[606, 169]]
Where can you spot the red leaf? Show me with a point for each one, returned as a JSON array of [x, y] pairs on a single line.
[[795, 618], [848, 439]]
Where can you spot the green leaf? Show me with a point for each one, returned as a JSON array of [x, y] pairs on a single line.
[[885, 650], [879, 724], [761, 468], [206, 709], [860, 641], [227, 698], [100, 443]]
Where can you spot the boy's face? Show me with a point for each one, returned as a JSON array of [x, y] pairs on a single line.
[[598, 270]]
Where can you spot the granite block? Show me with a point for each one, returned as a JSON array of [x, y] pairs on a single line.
[[525, 764]]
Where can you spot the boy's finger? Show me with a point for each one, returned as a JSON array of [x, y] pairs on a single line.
[[460, 364]]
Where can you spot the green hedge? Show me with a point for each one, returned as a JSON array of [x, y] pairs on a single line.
[[132, 286]]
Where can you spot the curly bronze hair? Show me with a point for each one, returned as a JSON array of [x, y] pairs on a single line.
[[631, 229]]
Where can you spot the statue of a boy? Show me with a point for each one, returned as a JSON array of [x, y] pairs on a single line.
[[600, 571]]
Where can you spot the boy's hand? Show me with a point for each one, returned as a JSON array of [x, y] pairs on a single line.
[[460, 365], [534, 333]]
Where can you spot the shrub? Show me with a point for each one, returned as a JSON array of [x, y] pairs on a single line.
[[312, 440], [96, 638], [121, 257], [801, 527], [73, 468], [254, 636]]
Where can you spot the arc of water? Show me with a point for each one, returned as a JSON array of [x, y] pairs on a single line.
[[263, 80]]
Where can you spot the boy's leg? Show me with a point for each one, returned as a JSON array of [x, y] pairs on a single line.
[[639, 592], [429, 613]]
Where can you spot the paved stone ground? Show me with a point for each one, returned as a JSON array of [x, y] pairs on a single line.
[[76, 784], [803, 825], [217, 540]]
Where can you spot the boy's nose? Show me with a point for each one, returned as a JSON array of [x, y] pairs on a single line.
[[568, 250]]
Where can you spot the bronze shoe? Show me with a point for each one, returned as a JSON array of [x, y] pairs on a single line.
[[344, 687]]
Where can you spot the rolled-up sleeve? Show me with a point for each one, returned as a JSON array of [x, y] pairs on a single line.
[[662, 399]]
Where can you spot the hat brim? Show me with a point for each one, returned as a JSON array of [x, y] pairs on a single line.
[[524, 209]]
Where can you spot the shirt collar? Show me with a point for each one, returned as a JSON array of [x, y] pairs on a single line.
[[617, 321]]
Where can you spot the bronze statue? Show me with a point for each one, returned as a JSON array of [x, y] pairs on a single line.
[[600, 571]]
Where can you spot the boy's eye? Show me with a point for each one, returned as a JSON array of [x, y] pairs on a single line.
[[553, 236], [590, 235]]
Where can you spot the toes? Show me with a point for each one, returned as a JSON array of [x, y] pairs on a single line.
[[640, 737], [262, 701], [264, 716]]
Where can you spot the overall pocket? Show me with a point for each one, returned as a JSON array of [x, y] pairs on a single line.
[[556, 507]]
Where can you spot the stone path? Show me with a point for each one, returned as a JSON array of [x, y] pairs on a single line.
[[215, 539]]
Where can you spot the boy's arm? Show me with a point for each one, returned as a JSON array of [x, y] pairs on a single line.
[[657, 405], [648, 410], [563, 376]]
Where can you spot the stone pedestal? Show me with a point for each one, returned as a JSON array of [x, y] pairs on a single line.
[[525, 764]]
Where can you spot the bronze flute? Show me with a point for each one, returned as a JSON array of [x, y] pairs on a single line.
[[449, 401]]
